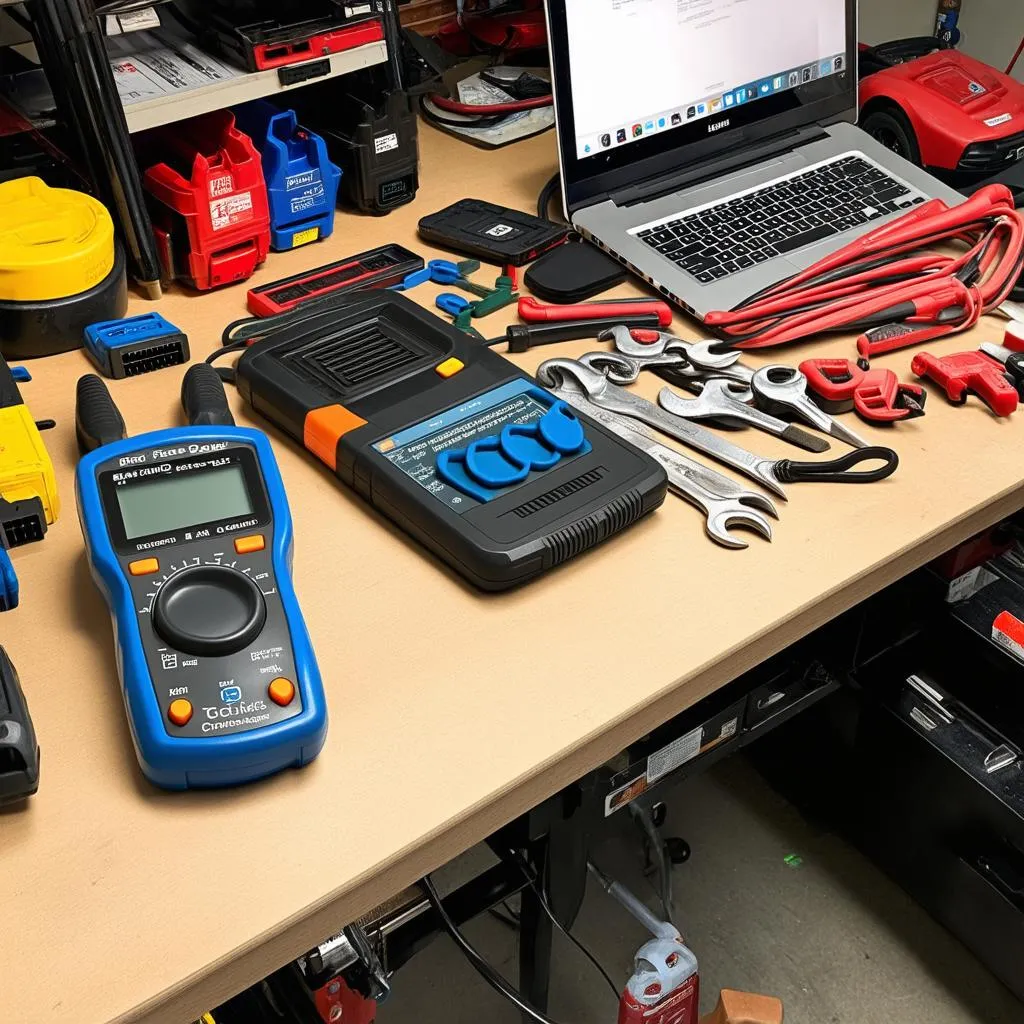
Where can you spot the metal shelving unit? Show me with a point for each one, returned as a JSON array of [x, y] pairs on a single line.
[[246, 86]]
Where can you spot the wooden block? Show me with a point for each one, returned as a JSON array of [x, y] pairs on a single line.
[[745, 1008]]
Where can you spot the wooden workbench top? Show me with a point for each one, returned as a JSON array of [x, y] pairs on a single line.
[[451, 711]]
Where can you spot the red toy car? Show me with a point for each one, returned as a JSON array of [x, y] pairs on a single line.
[[947, 112]]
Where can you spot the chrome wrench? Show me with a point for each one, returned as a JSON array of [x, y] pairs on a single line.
[[723, 501], [716, 400], [770, 473]]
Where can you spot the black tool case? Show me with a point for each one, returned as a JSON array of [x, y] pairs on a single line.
[[918, 762], [370, 129], [260, 35]]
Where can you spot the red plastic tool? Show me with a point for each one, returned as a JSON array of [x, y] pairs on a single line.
[[534, 311], [969, 373], [878, 396]]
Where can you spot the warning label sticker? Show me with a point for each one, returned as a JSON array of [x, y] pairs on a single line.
[[231, 210]]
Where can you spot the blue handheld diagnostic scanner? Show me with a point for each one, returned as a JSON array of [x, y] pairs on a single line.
[[189, 539]]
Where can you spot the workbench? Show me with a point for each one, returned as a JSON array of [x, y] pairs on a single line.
[[452, 711]]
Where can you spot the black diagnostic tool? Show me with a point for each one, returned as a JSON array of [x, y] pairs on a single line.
[[19, 751], [453, 442]]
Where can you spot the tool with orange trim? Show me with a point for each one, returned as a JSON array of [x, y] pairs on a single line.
[[189, 539], [454, 443]]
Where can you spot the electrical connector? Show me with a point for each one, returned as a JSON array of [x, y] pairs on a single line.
[[135, 345], [21, 522]]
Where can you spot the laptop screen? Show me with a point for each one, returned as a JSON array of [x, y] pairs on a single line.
[[642, 67]]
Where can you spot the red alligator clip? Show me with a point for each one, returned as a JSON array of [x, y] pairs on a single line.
[[878, 396], [969, 373]]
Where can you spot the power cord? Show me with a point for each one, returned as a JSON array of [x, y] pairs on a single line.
[[476, 961], [531, 880]]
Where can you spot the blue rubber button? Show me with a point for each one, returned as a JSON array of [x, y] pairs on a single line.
[[489, 465], [451, 468], [559, 429], [520, 442]]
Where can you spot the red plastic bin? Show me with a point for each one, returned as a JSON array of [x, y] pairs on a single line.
[[208, 200]]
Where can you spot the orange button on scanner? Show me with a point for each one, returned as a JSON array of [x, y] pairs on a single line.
[[180, 712], [247, 545], [449, 367], [282, 691], [144, 566]]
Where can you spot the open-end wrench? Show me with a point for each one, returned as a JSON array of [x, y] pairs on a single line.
[[784, 389], [717, 401], [723, 501], [701, 354], [770, 473], [625, 368]]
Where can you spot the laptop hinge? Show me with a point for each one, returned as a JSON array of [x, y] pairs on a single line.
[[716, 167]]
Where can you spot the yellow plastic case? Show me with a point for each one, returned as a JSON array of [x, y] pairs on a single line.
[[25, 467], [53, 242], [61, 268]]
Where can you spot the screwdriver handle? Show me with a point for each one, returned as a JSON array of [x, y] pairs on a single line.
[[203, 398], [98, 420]]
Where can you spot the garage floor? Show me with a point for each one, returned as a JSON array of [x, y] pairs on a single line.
[[826, 932]]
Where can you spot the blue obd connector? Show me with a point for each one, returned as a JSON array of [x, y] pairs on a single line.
[[135, 345]]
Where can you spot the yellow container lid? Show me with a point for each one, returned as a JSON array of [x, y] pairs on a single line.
[[53, 242]]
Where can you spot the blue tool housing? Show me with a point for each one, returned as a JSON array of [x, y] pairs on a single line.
[[241, 734], [8, 583], [135, 345], [302, 183]]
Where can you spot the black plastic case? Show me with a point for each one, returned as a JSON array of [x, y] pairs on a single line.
[[370, 132], [573, 272], [370, 365], [493, 233]]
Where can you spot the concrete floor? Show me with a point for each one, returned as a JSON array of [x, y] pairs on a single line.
[[831, 936]]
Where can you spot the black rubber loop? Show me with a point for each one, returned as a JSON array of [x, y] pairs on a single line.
[[840, 471]]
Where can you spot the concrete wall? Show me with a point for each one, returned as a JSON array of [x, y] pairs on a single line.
[[991, 28]]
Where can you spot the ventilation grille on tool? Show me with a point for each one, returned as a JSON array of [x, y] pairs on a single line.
[[595, 528], [362, 355], [549, 498], [353, 355]]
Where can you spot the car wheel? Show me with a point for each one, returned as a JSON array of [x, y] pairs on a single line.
[[892, 128]]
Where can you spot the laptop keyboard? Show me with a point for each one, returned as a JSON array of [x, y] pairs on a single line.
[[736, 234]]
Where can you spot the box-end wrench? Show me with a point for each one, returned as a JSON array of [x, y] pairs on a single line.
[[723, 501], [717, 401], [770, 473]]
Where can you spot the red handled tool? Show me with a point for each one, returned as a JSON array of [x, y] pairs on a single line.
[[878, 396], [969, 373], [534, 311]]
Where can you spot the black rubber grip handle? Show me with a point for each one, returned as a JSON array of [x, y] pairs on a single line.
[[522, 337], [841, 470], [203, 398], [98, 420]]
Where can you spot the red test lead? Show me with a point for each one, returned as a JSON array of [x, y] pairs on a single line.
[[898, 285]]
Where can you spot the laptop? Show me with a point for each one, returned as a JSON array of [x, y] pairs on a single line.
[[710, 145]]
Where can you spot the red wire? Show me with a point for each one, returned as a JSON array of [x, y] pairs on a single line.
[[1016, 57], [932, 298], [455, 107]]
